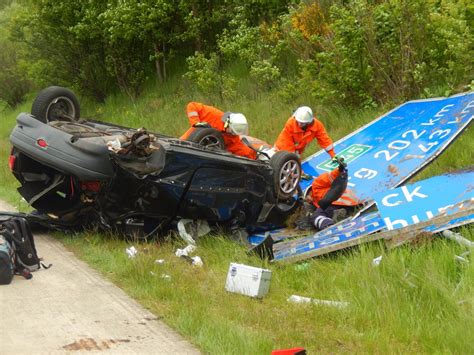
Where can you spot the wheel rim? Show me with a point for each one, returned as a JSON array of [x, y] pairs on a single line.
[[61, 108], [289, 176], [210, 142]]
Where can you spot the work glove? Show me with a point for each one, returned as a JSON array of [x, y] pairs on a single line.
[[341, 164], [202, 125]]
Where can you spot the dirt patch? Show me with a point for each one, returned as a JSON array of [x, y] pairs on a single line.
[[90, 344]]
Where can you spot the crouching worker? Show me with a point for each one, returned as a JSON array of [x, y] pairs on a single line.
[[230, 124], [331, 197]]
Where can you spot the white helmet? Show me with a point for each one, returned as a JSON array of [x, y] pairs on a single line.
[[303, 114], [237, 124]]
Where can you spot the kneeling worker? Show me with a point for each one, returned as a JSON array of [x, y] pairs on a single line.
[[331, 197], [230, 124]]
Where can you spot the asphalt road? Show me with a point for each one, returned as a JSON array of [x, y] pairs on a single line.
[[71, 308]]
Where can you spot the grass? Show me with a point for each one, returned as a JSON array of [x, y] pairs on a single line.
[[418, 300]]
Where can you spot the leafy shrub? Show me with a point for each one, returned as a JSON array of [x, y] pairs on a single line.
[[206, 75], [382, 51], [13, 81]]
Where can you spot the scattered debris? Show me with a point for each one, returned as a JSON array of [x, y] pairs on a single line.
[[376, 261], [165, 276], [190, 229], [393, 169], [185, 251], [248, 280], [301, 299], [114, 145], [396, 153], [197, 261], [194, 260], [160, 261], [458, 238], [461, 259], [131, 252]]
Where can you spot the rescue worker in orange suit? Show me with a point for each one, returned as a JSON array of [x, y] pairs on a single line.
[[331, 197], [232, 125], [300, 129]]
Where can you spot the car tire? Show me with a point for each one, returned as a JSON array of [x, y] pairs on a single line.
[[56, 103], [286, 174], [207, 137]]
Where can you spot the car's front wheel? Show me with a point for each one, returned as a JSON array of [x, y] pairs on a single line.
[[286, 174], [56, 103]]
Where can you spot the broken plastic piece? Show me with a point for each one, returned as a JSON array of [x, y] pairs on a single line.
[[190, 229], [114, 145], [131, 252], [458, 238], [300, 299], [159, 261], [461, 259], [186, 251], [376, 261], [197, 261]]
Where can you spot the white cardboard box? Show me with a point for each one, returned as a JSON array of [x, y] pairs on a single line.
[[248, 280]]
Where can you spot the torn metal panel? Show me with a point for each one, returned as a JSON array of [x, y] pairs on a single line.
[[423, 200], [344, 235], [449, 198], [397, 237], [389, 150]]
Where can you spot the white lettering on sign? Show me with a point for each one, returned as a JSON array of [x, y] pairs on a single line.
[[431, 122], [443, 110], [414, 133], [468, 106], [444, 209], [430, 145], [399, 145], [365, 173], [388, 157], [406, 193], [392, 225], [441, 133], [387, 203], [409, 196]]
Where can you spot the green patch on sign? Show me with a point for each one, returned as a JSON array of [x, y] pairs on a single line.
[[349, 154]]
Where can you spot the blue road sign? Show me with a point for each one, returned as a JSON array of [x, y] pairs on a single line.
[[424, 200], [389, 150]]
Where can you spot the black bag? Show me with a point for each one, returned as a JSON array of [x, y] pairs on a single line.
[[7, 261], [18, 233]]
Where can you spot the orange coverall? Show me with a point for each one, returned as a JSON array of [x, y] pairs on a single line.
[[198, 112], [321, 186], [294, 139]]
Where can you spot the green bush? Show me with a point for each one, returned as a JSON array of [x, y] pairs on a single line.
[[395, 50]]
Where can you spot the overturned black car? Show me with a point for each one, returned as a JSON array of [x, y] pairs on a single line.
[[78, 172]]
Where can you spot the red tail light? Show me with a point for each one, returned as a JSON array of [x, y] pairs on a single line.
[[93, 186], [11, 162], [42, 143]]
